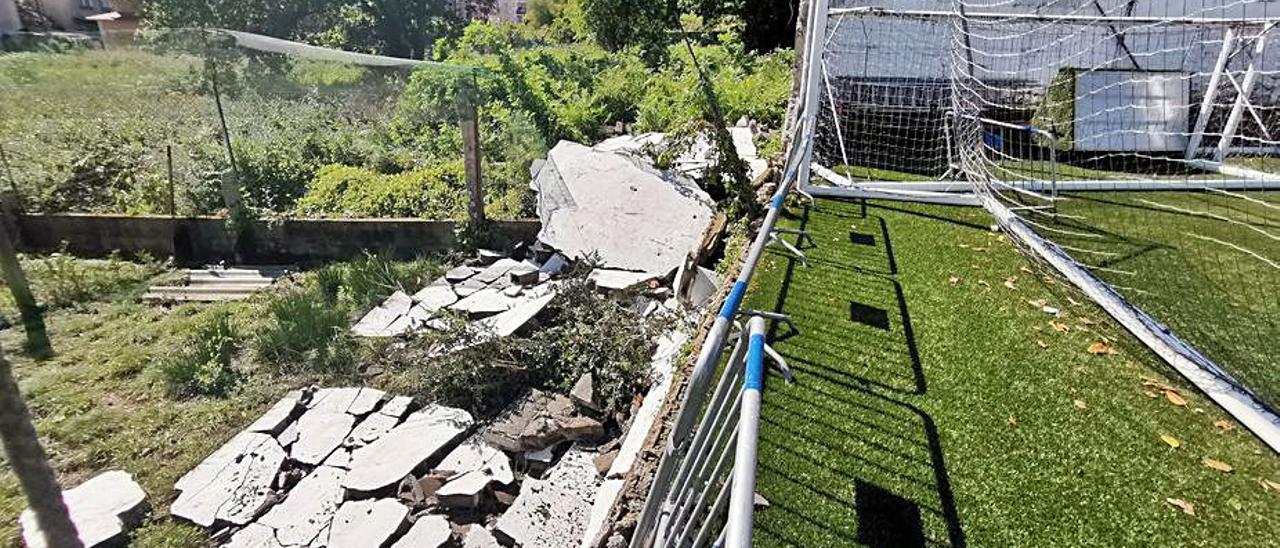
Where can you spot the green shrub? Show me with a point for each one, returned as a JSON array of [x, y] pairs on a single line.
[[200, 365], [299, 331], [437, 192]]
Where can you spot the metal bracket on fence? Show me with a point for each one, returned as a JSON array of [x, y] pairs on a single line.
[[802, 192], [773, 238], [779, 362]]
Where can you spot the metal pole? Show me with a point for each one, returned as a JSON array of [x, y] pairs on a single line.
[[1210, 93], [1242, 100], [168, 154], [13, 181], [1028, 16], [1053, 166], [742, 501]]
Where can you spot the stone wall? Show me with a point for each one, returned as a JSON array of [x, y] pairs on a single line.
[[206, 239]]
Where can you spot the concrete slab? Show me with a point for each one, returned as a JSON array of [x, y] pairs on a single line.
[[619, 280], [375, 322], [483, 303], [370, 523], [600, 507], [308, 509], [632, 215], [277, 418], [476, 455], [103, 509], [254, 535], [553, 512], [320, 431], [426, 532], [399, 452], [233, 484], [435, 297], [477, 536], [497, 270], [459, 274], [397, 407], [370, 429], [356, 400]]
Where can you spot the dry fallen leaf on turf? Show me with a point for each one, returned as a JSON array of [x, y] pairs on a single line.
[[1072, 301], [1059, 327], [1013, 421], [1172, 441], [954, 280], [980, 249], [1008, 282], [1151, 394], [1224, 424], [1080, 404], [1217, 465], [966, 246], [983, 283], [1268, 485], [1099, 348], [1042, 344], [1028, 270], [1187, 507], [1175, 398], [1038, 303]]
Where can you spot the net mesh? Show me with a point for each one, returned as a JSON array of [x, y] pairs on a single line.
[[1140, 137]]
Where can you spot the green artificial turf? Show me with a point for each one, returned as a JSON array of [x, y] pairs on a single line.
[[934, 405], [1222, 300]]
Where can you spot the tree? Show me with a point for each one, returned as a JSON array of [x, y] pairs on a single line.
[[619, 24], [28, 461]]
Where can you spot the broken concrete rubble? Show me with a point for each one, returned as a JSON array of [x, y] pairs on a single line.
[[539, 421], [367, 523], [309, 508], [478, 537], [320, 431], [397, 454], [103, 510], [552, 512], [631, 215], [374, 324], [619, 280], [426, 532], [232, 485]]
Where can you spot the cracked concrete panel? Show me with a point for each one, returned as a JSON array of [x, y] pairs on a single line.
[[406, 447], [308, 509], [618, 280], [370, 429], [277, 418], [397, 407], [661, 366], [553, 512], [374, 323], [367, 523], [320, 431], [434, 297], [483, 303], [477, 536], [635, 217], [254, 535], [476, 455], [356, 400], [233, 484], [98, 508], [426, 532]]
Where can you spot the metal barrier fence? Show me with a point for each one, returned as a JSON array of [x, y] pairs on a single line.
[[696, 464]]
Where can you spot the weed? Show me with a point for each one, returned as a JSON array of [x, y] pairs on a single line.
[[201, 365], [300, 330]]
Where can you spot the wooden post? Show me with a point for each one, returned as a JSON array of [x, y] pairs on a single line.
[[31, 465], [32, 320], [168, 154], [471, 152]]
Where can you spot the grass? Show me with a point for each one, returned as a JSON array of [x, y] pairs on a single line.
[[1217, 297], [107, 399], [941, 412]]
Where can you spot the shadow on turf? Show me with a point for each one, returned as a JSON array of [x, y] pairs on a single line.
[[890, 489]]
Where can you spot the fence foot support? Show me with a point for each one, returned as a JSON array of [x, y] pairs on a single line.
[[799, 255], [804, 236]]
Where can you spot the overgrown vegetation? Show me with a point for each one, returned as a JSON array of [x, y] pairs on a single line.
[[201, 363], [580, 332], [336, 140]]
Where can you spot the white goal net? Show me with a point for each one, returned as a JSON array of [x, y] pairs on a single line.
[[1132, 145]]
